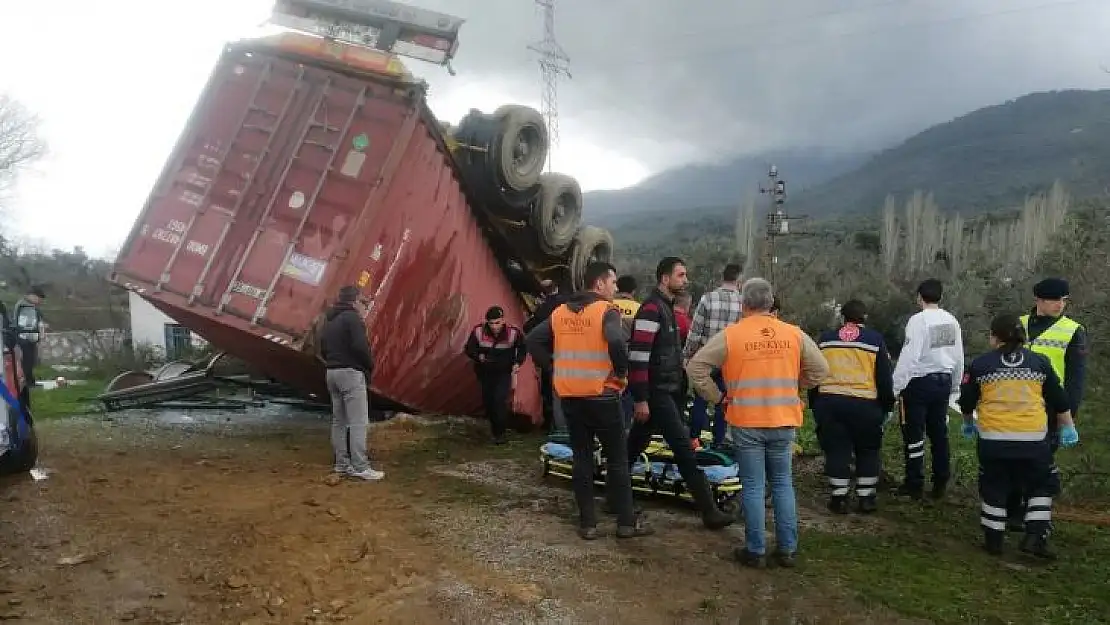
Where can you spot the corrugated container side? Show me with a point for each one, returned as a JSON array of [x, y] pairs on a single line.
[[293, 179]]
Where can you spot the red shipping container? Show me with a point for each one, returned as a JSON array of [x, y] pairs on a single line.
[[308, 165]]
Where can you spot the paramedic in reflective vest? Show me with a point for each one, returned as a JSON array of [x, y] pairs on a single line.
[[626, 302], [497, 350], [1009, 390], [1064, 343], [849, 407], [764, 361], [656, 381], [584, 345], [927, 379]]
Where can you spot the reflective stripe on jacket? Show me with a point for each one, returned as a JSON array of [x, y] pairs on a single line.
[[1011, 397], [761, 373], [1053, 342], [582, 366], [487, 342], [851, 351]]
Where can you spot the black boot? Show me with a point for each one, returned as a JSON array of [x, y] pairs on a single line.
[[1036, 546], [711, 516], [749, 559], [867, 505], [940, 489], [912, 492], [634, 531], [838, 504], [992, 541]]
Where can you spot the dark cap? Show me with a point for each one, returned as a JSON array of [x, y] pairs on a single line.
[[494, 313], [348, 295], [1051, 288]]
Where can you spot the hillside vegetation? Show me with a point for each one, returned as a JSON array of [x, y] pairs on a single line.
[[992, 157], [78, 296], [713, 188], [988, 159]]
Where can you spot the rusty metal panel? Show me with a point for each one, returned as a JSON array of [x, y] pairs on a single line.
[[293, 180]]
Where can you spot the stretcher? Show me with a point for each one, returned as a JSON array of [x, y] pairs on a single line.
[[654, 472]]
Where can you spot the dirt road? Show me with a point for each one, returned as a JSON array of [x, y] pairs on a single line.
[[145, 519]]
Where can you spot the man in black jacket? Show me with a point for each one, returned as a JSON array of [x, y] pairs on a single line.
[[497, 350], [553, 418], [345, 349], [655, 380]]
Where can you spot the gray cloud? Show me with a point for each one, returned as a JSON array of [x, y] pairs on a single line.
[[675, 80]]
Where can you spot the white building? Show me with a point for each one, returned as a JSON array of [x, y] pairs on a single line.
[[153, 328]]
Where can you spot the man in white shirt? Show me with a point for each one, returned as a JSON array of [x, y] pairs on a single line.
[[929, 370]]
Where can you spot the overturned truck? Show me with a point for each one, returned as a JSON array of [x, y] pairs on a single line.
[[308, 164]]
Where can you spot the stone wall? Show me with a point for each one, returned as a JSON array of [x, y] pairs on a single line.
[[66, 348]]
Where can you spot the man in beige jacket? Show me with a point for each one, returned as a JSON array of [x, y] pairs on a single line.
[[764, 362]]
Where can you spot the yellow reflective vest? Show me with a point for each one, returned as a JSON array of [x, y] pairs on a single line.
[[1011, 397], [1053, 342], [628, 307]]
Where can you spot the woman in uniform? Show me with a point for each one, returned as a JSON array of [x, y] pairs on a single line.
[[1005, 397]]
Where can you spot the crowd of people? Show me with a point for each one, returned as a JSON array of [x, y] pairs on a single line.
[[620, 368], [616, 370]]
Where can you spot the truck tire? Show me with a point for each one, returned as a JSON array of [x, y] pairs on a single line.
[[590, 244], [477, 149], [521, 147], [557, 212]]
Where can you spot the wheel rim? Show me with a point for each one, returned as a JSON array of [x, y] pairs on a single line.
[[524, 152]]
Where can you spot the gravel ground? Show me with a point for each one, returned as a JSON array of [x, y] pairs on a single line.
[[154, 517]]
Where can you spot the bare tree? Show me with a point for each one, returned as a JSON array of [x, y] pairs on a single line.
[[20, 143], [890, 235], [747, 236]]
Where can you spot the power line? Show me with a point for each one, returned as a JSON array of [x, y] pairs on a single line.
[[554, 63]]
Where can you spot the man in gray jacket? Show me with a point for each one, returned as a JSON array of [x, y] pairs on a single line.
[[345, 349]]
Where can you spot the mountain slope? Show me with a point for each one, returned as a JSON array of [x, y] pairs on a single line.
[[716, 185], [987, 159]]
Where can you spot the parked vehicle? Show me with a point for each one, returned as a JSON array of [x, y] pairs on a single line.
[[19, 448], [309, 164]]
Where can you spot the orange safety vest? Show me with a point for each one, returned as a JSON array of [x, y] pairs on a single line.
[[761, 371], [582, 367]]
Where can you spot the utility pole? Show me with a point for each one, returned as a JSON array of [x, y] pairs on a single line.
[[778, 221], [554, 63]]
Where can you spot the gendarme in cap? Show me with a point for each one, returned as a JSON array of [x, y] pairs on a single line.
[[1051, 288]]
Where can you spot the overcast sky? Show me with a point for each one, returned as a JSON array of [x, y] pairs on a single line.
[[655, 83]]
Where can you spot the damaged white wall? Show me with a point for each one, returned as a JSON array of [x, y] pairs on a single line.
[[148, 324]]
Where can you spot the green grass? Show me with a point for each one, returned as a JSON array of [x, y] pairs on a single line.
[[927, 562], [67, 401], [930, 567]]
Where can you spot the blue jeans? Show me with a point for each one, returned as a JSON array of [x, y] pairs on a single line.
[[699, 416], [765, 456]]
